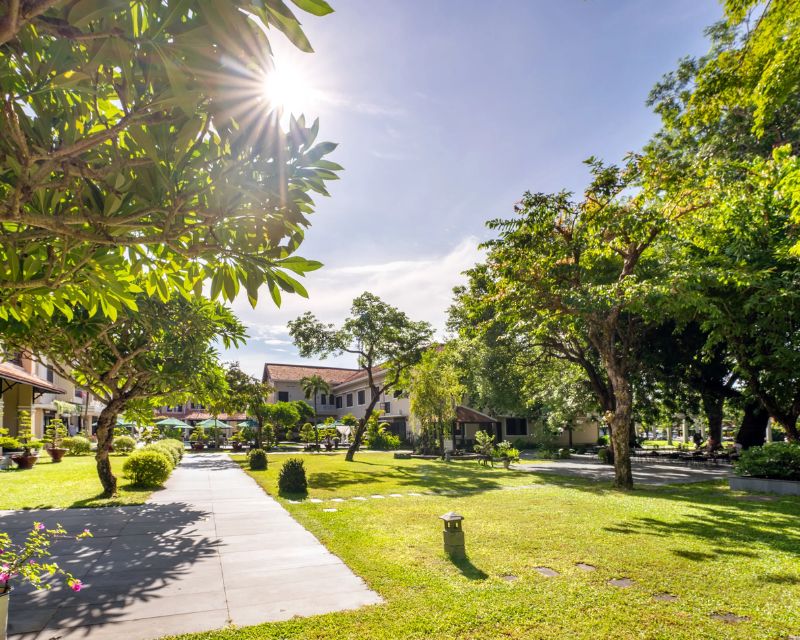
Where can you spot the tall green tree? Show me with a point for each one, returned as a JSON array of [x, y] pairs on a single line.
[[382, 337], [435, 390], [141, 148], [164, 348], [312, 386], [249, 394]]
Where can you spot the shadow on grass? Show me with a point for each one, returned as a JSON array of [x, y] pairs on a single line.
[[438, 477], [467, 569]]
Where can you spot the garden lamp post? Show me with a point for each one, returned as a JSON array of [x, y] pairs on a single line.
[[453, 535]]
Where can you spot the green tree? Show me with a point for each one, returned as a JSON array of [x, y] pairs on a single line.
[[165, 347], [312, 386], [248, 394], [283, 415], [435, 390], [140, 148], [381, 336]]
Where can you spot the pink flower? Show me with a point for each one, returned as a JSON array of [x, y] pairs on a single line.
[[4, 576], [38, 526], [75, 585]]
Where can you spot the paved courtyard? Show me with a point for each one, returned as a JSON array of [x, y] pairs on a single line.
[[210, 550], [643, 473]]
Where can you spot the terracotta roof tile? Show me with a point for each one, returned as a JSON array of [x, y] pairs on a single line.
[[18, 374], [292, 372]]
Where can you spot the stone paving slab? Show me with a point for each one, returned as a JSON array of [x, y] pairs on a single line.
[[654, 474], [210, 550]]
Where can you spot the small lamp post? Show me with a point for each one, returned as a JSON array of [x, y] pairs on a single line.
[[453, 535]]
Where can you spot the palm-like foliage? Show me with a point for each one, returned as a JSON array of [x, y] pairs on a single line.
[[312, 386]]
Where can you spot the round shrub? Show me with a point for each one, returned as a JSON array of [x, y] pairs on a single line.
[[77, 446], [292, 477], [778, 460], [257, 459], [175, 444], [148, 467], [174, 456], [124, 444]]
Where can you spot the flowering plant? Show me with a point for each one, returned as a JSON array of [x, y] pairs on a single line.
[[27, 561]]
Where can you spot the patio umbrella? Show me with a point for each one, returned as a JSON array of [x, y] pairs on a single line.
[[213, 422], [172, 422], [248, 422]]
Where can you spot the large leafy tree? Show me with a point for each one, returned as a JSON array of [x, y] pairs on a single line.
[[165, 348], [140, 149], [249, 394], [573, 277], [312, 386], [381, 336]]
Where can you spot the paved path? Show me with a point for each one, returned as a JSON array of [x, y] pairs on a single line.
[[212, 549], [643, 473]]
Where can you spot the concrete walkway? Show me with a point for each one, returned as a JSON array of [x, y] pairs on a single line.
[[211, 549], [643, 473]]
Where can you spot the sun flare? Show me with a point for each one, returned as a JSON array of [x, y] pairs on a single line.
[[288, 89]]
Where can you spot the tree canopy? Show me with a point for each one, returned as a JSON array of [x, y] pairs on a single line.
[[140, 150]]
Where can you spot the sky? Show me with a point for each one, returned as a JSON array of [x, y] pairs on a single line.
[[446, 112]]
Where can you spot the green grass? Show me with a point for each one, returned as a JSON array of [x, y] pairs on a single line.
[[70, 483], [715, 551]]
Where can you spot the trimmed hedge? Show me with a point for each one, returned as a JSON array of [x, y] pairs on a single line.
[[292, 478], [778, 460], [257, 459], [167, 450], [148, 467], [124, 444], [77, 446]]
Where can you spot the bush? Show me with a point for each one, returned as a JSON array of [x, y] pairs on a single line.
[[175, 445], [604, 441], [379, 437], [779, 460], [257, 459], [10, 444], [124, 444], [292, 478], [148, 467], [524, 443], [563, 454], [174, 456], [77, 446]]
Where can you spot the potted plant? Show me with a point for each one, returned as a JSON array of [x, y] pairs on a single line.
[[54, 434], [237, 440], [26, 562], [506, 453], [198, 438], [8, 446], [27, 458]]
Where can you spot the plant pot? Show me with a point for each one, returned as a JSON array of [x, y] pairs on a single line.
[[197, 446], [237, 446], [25, 461], [56, 453], [5, 597], [5, 461], [506, 463]]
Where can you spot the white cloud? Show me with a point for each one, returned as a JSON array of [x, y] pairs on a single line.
[[420, 287]]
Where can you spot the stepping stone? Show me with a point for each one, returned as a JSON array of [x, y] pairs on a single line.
[[359, 498], [293, 501], [586, 567], [730, 618], [378, 495], [509, 578], [621, 582], [547, 572], [330, 510], [395, 495], [665, 597], [414, 493], [337, 499], [314, 500]]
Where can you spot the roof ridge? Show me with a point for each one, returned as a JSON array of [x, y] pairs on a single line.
[[309, 366]]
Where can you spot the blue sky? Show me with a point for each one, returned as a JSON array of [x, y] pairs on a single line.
[[446, 112]]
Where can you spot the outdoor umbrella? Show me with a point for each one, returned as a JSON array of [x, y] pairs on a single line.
[[213, 422], [173, 422]]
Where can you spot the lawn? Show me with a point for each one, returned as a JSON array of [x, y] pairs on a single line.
[[72, 483], [715, 551]]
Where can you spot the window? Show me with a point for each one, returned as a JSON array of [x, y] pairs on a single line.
[[516, 427], [362, 397], [397, 393], [349, 399], [16, 358], [51, 375], [283, 396], [338, 402], [387, 407], [331, 400], [323, 399], [179, 409]]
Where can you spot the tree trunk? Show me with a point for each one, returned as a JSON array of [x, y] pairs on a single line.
[[713, 406], [316, 431], [105, 436], [259, 433], [789, 423], [361, 427], [753, 430], [440, 430], [621, 427]]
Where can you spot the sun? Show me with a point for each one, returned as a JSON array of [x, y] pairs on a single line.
[[286, 88]]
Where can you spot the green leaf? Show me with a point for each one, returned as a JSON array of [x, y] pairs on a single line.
[[315, 7]]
